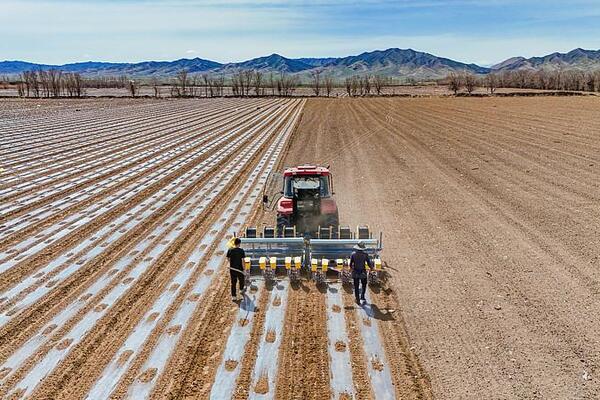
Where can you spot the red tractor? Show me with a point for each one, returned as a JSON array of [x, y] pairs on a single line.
[[308, 236], [307, 206]]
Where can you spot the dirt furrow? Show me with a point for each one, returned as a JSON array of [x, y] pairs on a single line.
[[304, 366]]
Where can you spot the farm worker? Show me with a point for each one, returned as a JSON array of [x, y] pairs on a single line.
[[236, 270], [358, 262]]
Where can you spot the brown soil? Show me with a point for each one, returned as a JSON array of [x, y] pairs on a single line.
[[230, 365], [486, 203], [124, 357], [172, 330], [64, 344], [489, 211], [271, 336], [262, 385], [377, 364], [304, 362], [148, 375], [340, 346]]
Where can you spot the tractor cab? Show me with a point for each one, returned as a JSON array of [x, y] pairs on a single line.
[[307, 203]]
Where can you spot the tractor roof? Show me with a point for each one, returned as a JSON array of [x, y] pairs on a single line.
[[306, 170]]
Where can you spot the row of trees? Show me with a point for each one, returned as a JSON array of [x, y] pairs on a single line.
[[186, 85], [242, 83], [51, 83], [562, 80], [365, 85]]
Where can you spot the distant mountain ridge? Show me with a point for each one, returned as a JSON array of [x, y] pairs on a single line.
[[394, 62], [575, 59]]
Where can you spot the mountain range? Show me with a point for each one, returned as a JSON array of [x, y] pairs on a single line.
[[394, 62]]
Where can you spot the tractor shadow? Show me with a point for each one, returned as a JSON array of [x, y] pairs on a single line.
[[301, 285]]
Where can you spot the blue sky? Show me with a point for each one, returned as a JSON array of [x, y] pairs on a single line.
[[483, 32]]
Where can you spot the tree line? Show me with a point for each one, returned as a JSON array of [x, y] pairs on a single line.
[[559, 80], [245, 83], [51, 83], [241, 83]]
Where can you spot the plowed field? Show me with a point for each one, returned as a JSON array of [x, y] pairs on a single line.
[[114, 217], [490, 210]]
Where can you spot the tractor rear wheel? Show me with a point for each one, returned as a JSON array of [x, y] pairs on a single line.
[[282, 222], [333, 221]]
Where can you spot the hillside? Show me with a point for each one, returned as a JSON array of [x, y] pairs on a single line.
[[403, 64], [576, 59], [394, 62]]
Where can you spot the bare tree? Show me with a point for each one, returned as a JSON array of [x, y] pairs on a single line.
[[77, 84], [241, 82], [367, 84], [26, 79], [356, 86], [348, 85], [192, 86], [470, 82], [360, 84], [156, 87], [379, 81], [181, 86], [491, 82], [44, 83], [258, 83], [316, 81], [55, 80], [218, 83], [236, 84], [209, 90], [272, 84], [286, 84], [21, 89], [328, 84], [454, 82], [247, 76]]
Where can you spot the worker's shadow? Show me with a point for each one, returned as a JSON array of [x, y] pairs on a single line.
[[249, 303], [371, 309], [376, 313], [249, 300]]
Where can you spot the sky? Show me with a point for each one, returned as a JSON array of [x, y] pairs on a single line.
[[473, 31]]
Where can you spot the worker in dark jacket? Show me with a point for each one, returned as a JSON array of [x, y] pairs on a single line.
[[358, 263], [236, 269]]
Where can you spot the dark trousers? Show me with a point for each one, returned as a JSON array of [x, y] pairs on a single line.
[[358, 281], [235, 277]]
